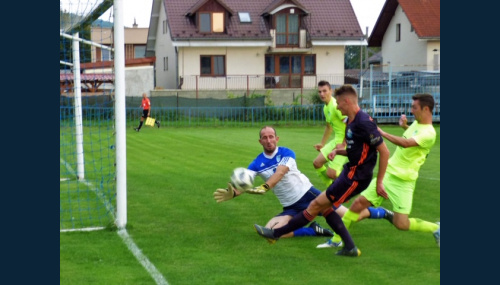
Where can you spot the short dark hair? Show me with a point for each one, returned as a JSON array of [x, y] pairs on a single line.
[[324, 83], [345, 89], [424, 99], [260, 132]]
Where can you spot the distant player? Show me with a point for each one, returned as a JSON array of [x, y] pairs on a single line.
[[335, 123], [146, 111]]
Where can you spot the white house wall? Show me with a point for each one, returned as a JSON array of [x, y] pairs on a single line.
[[433, 55], [166, 79], [243, 61], [408, 51]]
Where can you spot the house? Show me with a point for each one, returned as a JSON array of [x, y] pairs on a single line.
[[135, 42], [260, 44], [408, 31]]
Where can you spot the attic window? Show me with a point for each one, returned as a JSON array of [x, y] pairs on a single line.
[[244, 17], [211, 22]]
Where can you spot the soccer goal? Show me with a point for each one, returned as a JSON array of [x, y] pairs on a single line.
[[92, 116]]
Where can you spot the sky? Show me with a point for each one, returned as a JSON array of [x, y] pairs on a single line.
[[367, 11]]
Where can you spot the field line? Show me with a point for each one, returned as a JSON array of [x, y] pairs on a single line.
[[136, 251]]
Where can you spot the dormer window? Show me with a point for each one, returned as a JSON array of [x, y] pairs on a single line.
[[211, 22], [287, 29]]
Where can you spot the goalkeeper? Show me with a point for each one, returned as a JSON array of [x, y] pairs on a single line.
[[277, 166]]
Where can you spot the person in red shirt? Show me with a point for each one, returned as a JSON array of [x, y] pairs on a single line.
[[146, 111]]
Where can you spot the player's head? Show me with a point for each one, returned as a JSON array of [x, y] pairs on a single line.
[[422, 106], [347, 97], [324, 91], [144, 95], [268, 139]]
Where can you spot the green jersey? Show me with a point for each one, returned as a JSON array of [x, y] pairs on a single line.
[[336, 120], [406, 162]]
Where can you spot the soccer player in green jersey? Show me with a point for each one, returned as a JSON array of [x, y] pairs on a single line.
[[402, 171], [335, 123]]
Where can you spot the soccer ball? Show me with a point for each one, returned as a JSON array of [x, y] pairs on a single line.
[[242, 178]]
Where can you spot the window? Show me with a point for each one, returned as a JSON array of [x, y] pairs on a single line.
[[287, 29], [244, 17], [139, 51], [211, 22], [284, 71], [398, 32], [213, 65], [165, 63], [103, 54], [165, 30]]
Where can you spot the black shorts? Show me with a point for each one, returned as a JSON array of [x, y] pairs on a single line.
[[343, 189], [145, 113]]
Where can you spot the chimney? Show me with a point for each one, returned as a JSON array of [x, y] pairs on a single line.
[[135, 24]]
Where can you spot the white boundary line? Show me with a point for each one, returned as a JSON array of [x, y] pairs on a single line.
[[136, 251]]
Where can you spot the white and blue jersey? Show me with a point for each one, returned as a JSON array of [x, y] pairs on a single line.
[[293, 185]]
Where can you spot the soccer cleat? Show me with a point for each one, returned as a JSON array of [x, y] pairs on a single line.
[[320, 231], [158, 123], [329, 243], [136, 129], [354, 252], [266, 233], [389, 215], [437, 235]]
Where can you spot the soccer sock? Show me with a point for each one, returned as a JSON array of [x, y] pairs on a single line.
[[324, 177], [348, 219], [376, 213], [297, 222], [335, 222], [140, 125], [419, 225], [302, 232]]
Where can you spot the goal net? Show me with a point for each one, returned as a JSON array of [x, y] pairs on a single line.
[[87, 133]]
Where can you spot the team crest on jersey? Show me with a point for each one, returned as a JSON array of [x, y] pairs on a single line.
[[349, 133], [262, 164], [278, 158]]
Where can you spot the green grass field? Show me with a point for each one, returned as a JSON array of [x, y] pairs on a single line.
[[190, 239]]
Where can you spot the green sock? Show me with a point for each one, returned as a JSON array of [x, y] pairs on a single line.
[[324, 177], [419, 225]]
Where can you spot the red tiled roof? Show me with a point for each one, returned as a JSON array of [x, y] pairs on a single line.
[[88, 77], [332, 19], [424, 16]]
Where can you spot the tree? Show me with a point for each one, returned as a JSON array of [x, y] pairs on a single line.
[[352, 56]]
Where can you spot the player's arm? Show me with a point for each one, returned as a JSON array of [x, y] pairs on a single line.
[[338, 150], [383, 153], [326, 135], [281, 170], [399, 141]]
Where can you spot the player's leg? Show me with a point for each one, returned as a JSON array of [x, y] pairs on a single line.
[[298, 221], [144, 115], [402, 204], [319, 164]]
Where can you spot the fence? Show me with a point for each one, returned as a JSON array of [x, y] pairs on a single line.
[[298, 115]]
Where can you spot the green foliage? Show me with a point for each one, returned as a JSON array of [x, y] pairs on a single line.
[[314, 97], [190, 239]]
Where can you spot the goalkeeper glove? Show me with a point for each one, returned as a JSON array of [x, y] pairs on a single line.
[[221, 195], [259, 189]]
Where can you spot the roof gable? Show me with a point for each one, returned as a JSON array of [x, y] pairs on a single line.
[[202, 3], [276, 3], [424, 16]]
